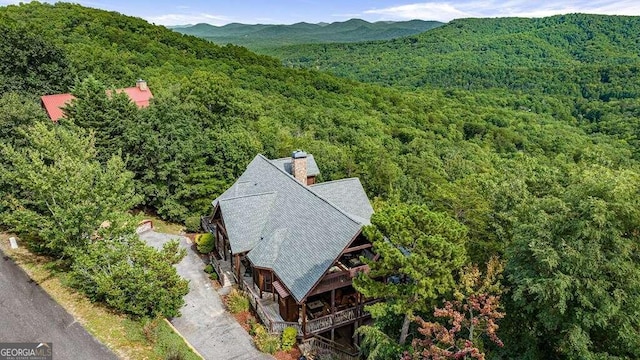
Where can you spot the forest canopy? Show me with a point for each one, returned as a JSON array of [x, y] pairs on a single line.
[[537, 165]]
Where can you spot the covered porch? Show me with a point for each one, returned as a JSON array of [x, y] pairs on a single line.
[[267, 308]]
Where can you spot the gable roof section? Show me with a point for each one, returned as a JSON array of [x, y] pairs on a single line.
[[348, 195], [54, 103], [139, 97], [285, 164], [303, 232], [265, 254], [244, 219]]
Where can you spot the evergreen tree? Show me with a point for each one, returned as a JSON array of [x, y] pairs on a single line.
[[420, 251]]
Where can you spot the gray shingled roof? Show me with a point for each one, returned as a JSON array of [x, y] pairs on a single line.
[[348, 195], [266, 252], [285, 164], [244, 219], [302, 232]]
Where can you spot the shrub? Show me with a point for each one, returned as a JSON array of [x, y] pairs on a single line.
[[205, 243], [208, 269], [213, 276], [192, 224], [289, 335], [258, 330], [251, 322], [268, 343], [265, 342], [237, 302], [129, 276]]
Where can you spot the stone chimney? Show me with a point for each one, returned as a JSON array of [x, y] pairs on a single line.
[[299, 166], [142, 85]]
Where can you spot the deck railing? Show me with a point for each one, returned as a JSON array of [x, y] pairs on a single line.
[[275, 326], [205, 223], [326, 322], [314, 326], [339, 279], [320, 346], [216, 266]]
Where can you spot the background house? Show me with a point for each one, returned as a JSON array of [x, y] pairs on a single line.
[[53, 104]]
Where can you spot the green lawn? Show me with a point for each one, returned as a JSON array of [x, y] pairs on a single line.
[[162, 226]]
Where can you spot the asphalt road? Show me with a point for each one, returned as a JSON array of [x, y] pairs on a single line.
[[204, 322], [29, 314]]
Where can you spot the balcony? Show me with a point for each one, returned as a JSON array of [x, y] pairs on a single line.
[[269, 313], [340, 277], [323, 347], [324, 323], [267, 310]]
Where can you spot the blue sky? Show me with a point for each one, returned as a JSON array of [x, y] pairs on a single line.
[[220, 12]]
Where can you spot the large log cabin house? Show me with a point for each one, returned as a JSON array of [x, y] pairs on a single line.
[[295, 245]]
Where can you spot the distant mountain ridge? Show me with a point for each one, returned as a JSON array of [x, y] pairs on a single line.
[[268, 36], [561, 54]]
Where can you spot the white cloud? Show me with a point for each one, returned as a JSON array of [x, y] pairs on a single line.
[[351, 16], [440, 11], [449, 10], [184, 19]]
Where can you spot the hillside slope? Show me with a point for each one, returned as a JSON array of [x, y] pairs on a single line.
[[261, 36], [569, 54], [547, 182]]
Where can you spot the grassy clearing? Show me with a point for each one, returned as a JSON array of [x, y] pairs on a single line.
[[162, 226], [129, 339]]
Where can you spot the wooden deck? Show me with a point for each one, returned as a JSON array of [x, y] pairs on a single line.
[[224, 271], [269, 304], [267, 309], [320, 347]]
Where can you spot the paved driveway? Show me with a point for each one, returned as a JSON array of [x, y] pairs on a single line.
[[204, 322], [29, 314]]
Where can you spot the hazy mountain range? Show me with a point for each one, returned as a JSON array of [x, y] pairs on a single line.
[[260, 35]]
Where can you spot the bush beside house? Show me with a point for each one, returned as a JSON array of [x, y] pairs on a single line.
[[192, 224], [205, 243]]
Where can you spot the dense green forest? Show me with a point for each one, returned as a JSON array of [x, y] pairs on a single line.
[[574, 54], [261, 37], [543, 177]]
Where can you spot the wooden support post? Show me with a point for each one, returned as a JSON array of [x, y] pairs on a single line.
[[333, 302], [304, 319], [237, 264], [273, 289], [333, 333]]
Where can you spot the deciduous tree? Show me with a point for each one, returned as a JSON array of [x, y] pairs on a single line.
[[59, 194], [574, 269], [461, 326]]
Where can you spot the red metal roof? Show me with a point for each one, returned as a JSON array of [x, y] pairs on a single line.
[[139, 97], [54, 103]]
